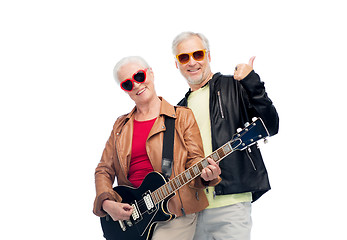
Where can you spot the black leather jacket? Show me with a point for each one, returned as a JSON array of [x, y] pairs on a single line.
[[232, 104]]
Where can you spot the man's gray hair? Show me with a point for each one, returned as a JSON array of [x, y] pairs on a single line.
[[186, 35], [126, 60]]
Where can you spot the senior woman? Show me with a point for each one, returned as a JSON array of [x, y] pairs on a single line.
[[134, 149]]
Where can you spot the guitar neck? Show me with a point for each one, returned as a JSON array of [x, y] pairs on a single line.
[[244, 138], [193, 172]]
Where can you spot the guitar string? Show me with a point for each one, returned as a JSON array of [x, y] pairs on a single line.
[[142, 203], [193, 176]]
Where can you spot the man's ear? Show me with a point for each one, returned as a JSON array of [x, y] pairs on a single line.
[[176, 64], [209, 56]]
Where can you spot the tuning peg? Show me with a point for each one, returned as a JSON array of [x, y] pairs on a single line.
[[239, 130], [254, 119], [246, 124], [266, 141]]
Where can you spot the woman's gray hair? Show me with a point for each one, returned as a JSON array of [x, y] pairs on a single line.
[[126, 60], [186, 35]]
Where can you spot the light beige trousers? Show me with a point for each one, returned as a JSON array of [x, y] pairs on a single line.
[[179, 228]]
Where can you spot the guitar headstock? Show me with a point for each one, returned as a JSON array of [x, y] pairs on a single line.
[[252, 133]]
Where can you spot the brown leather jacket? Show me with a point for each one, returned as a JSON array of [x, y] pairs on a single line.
[[188, 150]]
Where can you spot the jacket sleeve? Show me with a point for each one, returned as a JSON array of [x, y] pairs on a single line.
[[256, 98], [195, 150], [104, 177]]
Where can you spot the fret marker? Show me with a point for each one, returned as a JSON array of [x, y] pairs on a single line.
[[188, 175], [204, 163], [196, 169], [226, 148], [215, 157]]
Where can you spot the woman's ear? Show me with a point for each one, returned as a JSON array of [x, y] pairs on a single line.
[[151, 71]]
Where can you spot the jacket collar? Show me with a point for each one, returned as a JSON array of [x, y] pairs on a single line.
[[167, 109]]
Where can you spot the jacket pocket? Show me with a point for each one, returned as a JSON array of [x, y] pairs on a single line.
[[248, 150], [220, 104]]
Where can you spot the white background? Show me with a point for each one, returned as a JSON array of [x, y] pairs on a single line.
[[59, 101]]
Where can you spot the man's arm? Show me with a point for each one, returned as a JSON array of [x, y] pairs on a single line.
[[256, 96]]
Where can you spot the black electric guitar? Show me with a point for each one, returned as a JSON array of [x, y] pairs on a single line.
[[150, 200]]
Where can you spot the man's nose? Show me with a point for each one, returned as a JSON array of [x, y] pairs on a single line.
[[192, 61]]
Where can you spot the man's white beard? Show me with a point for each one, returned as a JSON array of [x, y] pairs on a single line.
[[195, 82]]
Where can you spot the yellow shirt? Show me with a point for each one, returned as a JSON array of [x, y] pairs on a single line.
[[199, 102]]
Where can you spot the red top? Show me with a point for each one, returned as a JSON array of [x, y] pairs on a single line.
[[140, 164]]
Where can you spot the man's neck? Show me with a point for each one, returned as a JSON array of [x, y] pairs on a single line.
[[195, 87]]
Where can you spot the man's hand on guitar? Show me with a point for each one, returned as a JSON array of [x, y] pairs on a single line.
[[117, 211], [210, 172]]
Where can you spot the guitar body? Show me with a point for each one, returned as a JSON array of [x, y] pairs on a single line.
[[143, 221]]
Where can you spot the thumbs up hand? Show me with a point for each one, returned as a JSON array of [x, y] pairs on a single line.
[[243, 69]]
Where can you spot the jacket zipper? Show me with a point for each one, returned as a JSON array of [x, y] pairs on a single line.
[[250, 159], [220, 104]]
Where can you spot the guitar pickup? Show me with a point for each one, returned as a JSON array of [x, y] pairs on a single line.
[[149, 202], [136, 213]]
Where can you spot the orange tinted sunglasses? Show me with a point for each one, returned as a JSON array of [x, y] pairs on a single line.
[[198, 55]]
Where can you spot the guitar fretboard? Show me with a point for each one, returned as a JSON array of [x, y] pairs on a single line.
[[194, 171]]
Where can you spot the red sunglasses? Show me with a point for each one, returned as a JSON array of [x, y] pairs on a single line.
[[139, 77]]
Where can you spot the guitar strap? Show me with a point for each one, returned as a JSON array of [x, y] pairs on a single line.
[[168, 146]]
